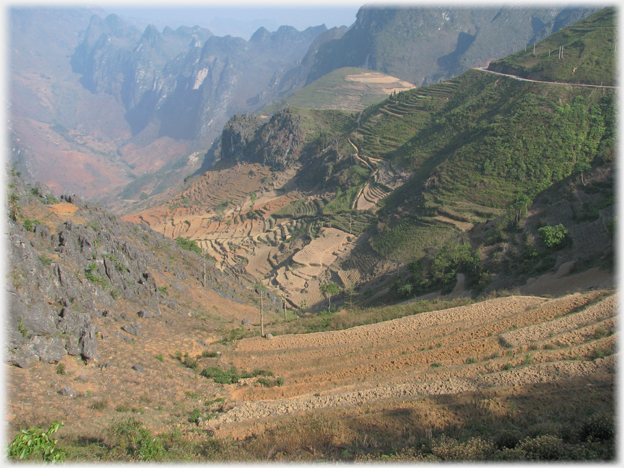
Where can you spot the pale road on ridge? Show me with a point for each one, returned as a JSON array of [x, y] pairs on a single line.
[[483, 69]]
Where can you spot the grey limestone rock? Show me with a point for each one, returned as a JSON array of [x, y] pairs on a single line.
[[132, 328], [144, 314], [68, 391], [49, 349]]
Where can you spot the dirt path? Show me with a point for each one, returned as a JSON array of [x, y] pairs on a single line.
[[519, 78]]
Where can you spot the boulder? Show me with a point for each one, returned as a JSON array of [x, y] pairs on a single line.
[[68, 391]]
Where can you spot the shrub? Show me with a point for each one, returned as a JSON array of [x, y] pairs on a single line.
[[190, 362], [545, 447], [60, 369], [36, 442], [507, 439], [553, 236], [188, 244], [601, 353], [195, 415], [99, 405], [209, 354], [600, 426], [136, 441], [160, 357], [473, 449]]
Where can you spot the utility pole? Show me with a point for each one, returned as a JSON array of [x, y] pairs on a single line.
[[261, 315], [204, 275], [284, 304]]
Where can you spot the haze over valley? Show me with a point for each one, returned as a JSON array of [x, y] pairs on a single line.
[[386, 240]]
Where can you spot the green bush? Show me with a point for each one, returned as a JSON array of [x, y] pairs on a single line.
[[600, 426], [553, 236], [36, 442], [195, 415], [545, 447], [188, 244], [136, 442]]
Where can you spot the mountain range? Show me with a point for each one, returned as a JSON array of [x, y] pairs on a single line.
[[361, 270], [118, 105]]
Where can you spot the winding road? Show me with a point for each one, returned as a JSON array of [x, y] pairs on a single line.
[[484, 69]]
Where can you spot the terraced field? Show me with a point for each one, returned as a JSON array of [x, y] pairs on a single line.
[[497, 345]]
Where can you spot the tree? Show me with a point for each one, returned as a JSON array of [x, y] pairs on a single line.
[[518, 208], [582, 167], [328, 290], [553, 236]]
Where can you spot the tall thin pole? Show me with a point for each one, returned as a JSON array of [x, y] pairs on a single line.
[[261, 314]]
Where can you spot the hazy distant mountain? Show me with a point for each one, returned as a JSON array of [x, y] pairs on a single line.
[[186, 82], [142, 107], [424, 45]]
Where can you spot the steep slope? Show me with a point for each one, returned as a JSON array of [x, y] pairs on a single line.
[[456, 177], [349, 89], [424, 45], [184, 82], [71, 264], [570, 55], [93, 111], [60, 133]]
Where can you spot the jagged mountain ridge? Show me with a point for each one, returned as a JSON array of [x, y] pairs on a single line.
[[188, 80], [424, 45], [354, 197], [154, 124]]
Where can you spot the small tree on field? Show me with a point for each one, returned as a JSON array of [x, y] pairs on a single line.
[[328, 290]]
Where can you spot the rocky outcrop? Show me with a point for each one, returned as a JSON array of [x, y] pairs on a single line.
[[245, 138], [63, 280], [186, 82], [424, 45]]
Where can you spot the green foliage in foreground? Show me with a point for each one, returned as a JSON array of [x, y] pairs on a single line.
[[527, 436], [137, 442], [35, 442]]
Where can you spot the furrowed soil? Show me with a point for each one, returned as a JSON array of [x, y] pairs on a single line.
[[500, 358]]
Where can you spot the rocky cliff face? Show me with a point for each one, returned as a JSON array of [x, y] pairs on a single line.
[[64, 275], [249, 138], [186, 82], [425, 45]]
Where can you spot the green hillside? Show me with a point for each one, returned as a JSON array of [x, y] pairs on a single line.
[[588, 54], [473, 154], [482, 147], [347, 88]]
